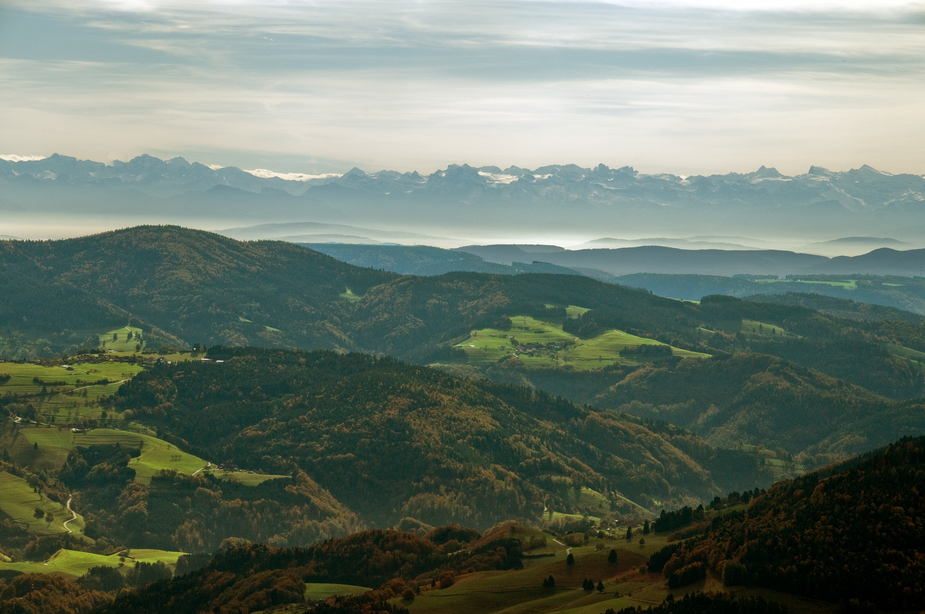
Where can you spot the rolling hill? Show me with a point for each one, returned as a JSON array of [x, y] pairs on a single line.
[[194, 287]]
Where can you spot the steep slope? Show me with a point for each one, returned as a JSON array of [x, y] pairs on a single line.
[[855, 532]]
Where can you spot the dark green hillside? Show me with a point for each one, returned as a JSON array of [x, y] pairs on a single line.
[[198, 286], [755, 398], [844, 308], [204, 288], [855, 532], [391, 440]]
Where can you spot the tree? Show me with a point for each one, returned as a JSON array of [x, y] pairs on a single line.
[[629, 534], [645, 528], [570, 559], [35, 446], [600, 586], [612, 557]]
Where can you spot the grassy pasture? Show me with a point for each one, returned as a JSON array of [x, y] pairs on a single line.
[[762, 328], [848, 284], [22, 376], [349, 296], [545, 344], [19, 501], [315, 591], [907, 353], [248, 479], [521, 590], [71, 395], [156, 454], [73, 564], [125, 339]]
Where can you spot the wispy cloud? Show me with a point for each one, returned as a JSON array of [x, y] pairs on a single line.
[[685, 86]]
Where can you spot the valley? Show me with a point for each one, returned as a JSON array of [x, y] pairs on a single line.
[[261, 395]]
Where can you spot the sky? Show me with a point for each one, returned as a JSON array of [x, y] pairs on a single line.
[[686, 87]]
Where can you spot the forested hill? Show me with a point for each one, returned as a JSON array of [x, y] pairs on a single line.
[[187, 287], [856, 532], [200, 287], [391, 440]]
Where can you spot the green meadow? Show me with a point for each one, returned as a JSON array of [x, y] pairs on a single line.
[[244, 477], [538, 343], [156, 454], [349, 296], [762, 328], [848, 284], [125, 339], [315, 591], [626, 583], [30, 379], [21, 503], [67, 393], [73, 564], [47, 447], [50, 447], [522, 591]]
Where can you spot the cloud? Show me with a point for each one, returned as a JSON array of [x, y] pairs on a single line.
[[418, 85]]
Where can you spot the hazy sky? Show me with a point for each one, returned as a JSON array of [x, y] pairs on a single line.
[[683, 87]]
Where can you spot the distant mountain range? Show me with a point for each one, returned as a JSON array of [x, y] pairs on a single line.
[[481, 203]]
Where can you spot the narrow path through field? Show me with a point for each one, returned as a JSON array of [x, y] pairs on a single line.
[[73, 514], [568, 551], [121, 381]]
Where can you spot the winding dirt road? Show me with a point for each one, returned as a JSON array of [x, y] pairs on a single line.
[[73, 514]]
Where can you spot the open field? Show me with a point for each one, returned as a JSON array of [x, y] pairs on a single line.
[[47, 448], [848, 284], [244, 477], [73, 564], [315, 591], [125, 339], [544, 344], [521, 591], [68, 393], [913, 356], [155, 454], [349, 296], [19, 501], [29, 379], [762, 328]]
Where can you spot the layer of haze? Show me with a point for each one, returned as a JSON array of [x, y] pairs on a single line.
[[683, 87]]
